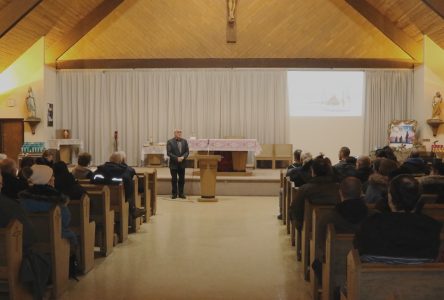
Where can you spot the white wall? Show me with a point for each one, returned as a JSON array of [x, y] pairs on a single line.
[[327, 135], [28, 71], [429, 78]]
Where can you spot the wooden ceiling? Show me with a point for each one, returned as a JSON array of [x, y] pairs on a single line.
[[50, 18], [155, 30]]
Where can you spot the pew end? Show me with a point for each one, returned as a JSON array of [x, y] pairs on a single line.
[[11, 242]]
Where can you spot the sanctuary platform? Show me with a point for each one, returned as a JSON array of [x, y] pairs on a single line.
[[262, 182]]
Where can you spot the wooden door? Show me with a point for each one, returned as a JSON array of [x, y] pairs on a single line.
[[11, 137]]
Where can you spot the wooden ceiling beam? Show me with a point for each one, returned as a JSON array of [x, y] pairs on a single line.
[[56, 50], [436, 5], [384, 24], [14, 12], [235, 63]]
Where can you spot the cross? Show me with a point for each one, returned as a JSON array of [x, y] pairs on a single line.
[[231, 21]]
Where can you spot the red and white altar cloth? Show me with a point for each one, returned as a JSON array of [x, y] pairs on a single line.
[[250, 145]]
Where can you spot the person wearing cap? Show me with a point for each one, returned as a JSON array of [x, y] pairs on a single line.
[[41, 196], [177, 151]]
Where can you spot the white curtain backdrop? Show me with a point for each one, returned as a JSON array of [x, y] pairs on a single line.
[[389, 96], [139, 104]]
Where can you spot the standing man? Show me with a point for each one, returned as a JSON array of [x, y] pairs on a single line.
[[177, 151]]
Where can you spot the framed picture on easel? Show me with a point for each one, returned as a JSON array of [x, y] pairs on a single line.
[[402, 133]]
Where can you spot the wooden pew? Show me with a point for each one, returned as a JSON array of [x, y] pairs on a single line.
[[81, 225], [334, 269], [146, 194], [118, 204], [103, 216], [306, 235], [377, 281], [136, 222], [295, 235], [152, 181], [290, 184], [284, 199], [48, 228], [317, 215], [11, 239], [436, 211]]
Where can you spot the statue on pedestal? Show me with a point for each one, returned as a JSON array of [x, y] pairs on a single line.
[[30, 104], [436, 106]]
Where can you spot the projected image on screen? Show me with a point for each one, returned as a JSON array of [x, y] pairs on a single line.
[[325, 93]]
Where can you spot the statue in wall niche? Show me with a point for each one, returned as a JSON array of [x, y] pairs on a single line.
[[436, 106], [30, 104]]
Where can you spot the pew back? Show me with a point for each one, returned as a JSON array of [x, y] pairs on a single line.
[[334, 270], [11, 238], [103, 216], [48, 229], [380, 281], [80, 224]]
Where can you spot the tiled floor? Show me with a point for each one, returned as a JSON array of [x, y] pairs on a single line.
[[232, 249]]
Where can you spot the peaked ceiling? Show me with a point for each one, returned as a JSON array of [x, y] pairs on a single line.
[[196, 29]]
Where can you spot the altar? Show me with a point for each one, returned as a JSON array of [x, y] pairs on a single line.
[[234, 152], [68, 148]]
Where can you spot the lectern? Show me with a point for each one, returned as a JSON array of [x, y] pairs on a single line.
[[208, 172]]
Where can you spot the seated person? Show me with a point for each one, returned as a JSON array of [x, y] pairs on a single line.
[[3, 156], [42, 197], [25, 166], [345, 167], [386, 152], [377, 185], [65, 183], [297, 160], [81, 171], [46, 159], [37, 273], [12, 185], [346, 217], [363, 168], [116, 171], [322, 189], [434, 183], [401, 235], [414, 165], [301, 175]]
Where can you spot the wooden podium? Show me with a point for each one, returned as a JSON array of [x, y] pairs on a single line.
[[208, 172]]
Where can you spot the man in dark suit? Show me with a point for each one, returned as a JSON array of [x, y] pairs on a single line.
[[177, 151]]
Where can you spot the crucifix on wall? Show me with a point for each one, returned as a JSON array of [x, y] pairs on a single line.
[[231, 20]]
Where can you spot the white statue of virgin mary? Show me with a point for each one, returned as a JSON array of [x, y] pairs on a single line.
[[30, 104]]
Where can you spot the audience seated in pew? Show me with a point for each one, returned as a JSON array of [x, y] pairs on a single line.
[[297, 162], [47, 159], [346, 217], [25, 169], [399, 236], [346, 165], [434, 183], [322, 189], [363, 169], [12, 184], [301, 175], [414, 164], [81, 171], [42, 196], [377, 186], [65, 183], [116, 171], [36, 268], [386, 152]]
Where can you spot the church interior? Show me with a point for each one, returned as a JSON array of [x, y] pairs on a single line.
[[221, 149]]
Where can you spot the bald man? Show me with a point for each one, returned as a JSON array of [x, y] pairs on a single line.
[[177, 151]]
